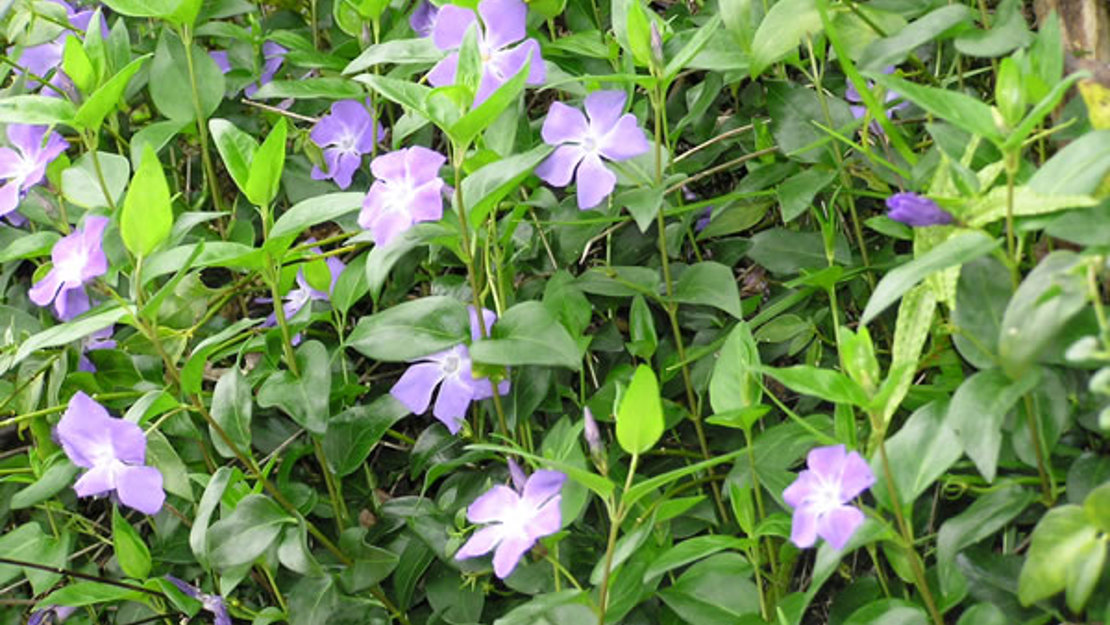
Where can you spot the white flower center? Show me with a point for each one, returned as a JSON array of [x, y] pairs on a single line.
[[451, 364], [71, 267], [516, 520], [347, 144]]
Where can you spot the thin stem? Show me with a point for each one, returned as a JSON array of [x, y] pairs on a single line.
[[91, 144], [907, 539], [1038, 450], [615, 519], [202, 127]]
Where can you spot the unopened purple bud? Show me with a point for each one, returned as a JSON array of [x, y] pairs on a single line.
[[593, 434], [916, 210], [656, 45]]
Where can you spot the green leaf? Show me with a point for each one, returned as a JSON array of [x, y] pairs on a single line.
[[236, 148], [715, 591], [147, 216], [782, 30], [29, 245], [992, 206], [103, 101], [641, 330], [406, 93], [412, 330], [213, 493], [920, 452], [894, 49], [796, 193], [246, 533], [232, 404], [156, 135], [709, 283], [170, 87], [983, 614], [829, 385], [332, 88], [147, 8], [52, 481], [81, 185], [959, 249], [483, 189], [352, 434], [603, 487], [793, 110], [692, 550], [381, 258], [1077, 169], [469, 126], [406, 51], [888, 612], [735, 383], [1007, 33], [692, 48], [527, 334], [62, 334], [1064, 550], [131, 552], [315, 210], [640, 415], [36, 109], [981, 297], [304, 399], [80, 594], [1045, 301], [76, 65], [264, 178], [978, 409], [963, 111]]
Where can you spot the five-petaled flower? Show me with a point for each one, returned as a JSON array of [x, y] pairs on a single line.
[[52, 615], [407, 189], [101, 339], [211, 603], [346, 133], [503, 24], [516, 519], [78, 258], [858, 110], [114, 452], [423, 18], [24, 167], [916, 210], [450, 370], [297, 298], [821, 493], [273, 56], [583, 140]]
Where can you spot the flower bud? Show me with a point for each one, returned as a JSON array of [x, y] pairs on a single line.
[[916, 210], [656, 45], [592, 433], [517, 475]]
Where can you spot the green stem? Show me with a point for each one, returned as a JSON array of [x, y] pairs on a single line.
[[202, 127], [615, 519], [91, 145]]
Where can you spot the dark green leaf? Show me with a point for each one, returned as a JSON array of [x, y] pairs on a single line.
[[412, 329], [527, 334]]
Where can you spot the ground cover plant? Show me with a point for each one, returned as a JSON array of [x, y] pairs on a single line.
[[559, 312]]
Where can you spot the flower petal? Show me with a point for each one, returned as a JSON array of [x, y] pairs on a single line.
[[98, 480], [855, 477], [44, 291], [481, 542], [803, 530], [827, 462], [838, 525], [427, 202], [84, 432], [625, 140], [451, 26], [454, 397], [595, 182], [604, 108], [443, 73], [416, 385], [422, 164], [508, 554], [542, 486], [548, 519], [128, 440], [504, 21], [71, 302], [493, 505], [346, 166], [558, 169], [797, 493], [564, 124], [141, 488]]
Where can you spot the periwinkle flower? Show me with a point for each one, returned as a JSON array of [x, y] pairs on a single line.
[[515, 518], [53, 615], [78, 258], [821, 494], [916, 210], [25, 166], [423, 19], [273, 56], [502, 24], [859, 110], [221, 59], [407, 189], [346, 133], [591, 432], [101, 339], [298, 298], [114, 452], [40, 60], [211, 603], [583, 140], [450, 371]]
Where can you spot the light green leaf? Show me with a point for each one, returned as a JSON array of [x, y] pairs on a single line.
[[147, 216], [264, 178], [640, 415], [782, 30], [131, 552]]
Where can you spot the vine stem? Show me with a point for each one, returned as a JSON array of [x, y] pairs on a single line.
[[615, 518], [202, 128], [907, 539]]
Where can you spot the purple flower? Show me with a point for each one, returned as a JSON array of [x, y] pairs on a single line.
[[502, 24], [24, 167], [820, 495], [450, 370], [423, 19], [583, 140], [52, 615], [273, 56], [221, 59], [40, 60], [407, 190], [297, 298], [703, 221], [78, 258], [101, 339], [212, 603], [916, 210], [113, 451], [515, 518], [858, 110], [591, 432], [345, 134]]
